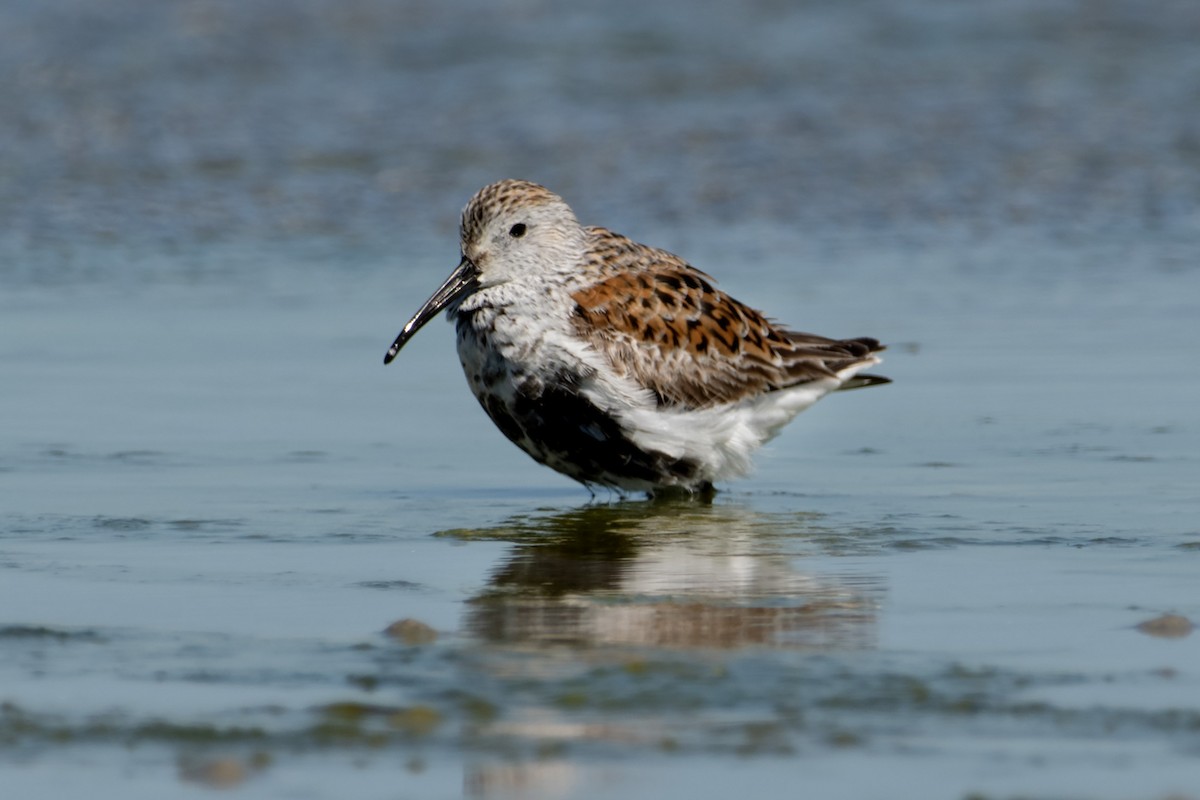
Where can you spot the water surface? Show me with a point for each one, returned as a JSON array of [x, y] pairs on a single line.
[[214, 499]]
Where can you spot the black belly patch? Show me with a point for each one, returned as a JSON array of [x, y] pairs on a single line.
[[564, 430]]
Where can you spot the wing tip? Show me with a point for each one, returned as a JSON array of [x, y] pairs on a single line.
[[863, 381]]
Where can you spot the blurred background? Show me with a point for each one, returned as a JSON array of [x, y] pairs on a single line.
[[183, 134]]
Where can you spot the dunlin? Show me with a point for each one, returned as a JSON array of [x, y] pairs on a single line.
[[619, 364]]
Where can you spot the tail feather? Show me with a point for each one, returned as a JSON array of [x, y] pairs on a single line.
[[862, 381]]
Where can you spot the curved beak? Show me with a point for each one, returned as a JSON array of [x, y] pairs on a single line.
[[461, 281]]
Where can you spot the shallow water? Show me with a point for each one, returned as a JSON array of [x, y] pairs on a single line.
[[214, 499]]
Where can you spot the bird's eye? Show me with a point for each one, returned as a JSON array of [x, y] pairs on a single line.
[[517, 231]]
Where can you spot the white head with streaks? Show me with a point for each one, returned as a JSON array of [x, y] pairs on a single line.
[[512, 232]]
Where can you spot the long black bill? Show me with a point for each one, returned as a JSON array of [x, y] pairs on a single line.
[[461, 281]]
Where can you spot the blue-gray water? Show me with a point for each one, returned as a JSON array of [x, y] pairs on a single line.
[[214, 498]]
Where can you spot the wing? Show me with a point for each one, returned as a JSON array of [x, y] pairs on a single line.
[[662, 323]]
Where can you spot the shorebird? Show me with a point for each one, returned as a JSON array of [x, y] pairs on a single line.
[[615, 363]]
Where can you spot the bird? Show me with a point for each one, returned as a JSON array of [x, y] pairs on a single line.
[[615, 363]]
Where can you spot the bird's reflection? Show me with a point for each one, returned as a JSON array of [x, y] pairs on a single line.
[[676, 575], [644, 624]]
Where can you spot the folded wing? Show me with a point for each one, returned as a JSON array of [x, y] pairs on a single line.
[[662, 323]]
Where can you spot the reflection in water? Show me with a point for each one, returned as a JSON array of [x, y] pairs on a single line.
[[642, 624], [677, 575]]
